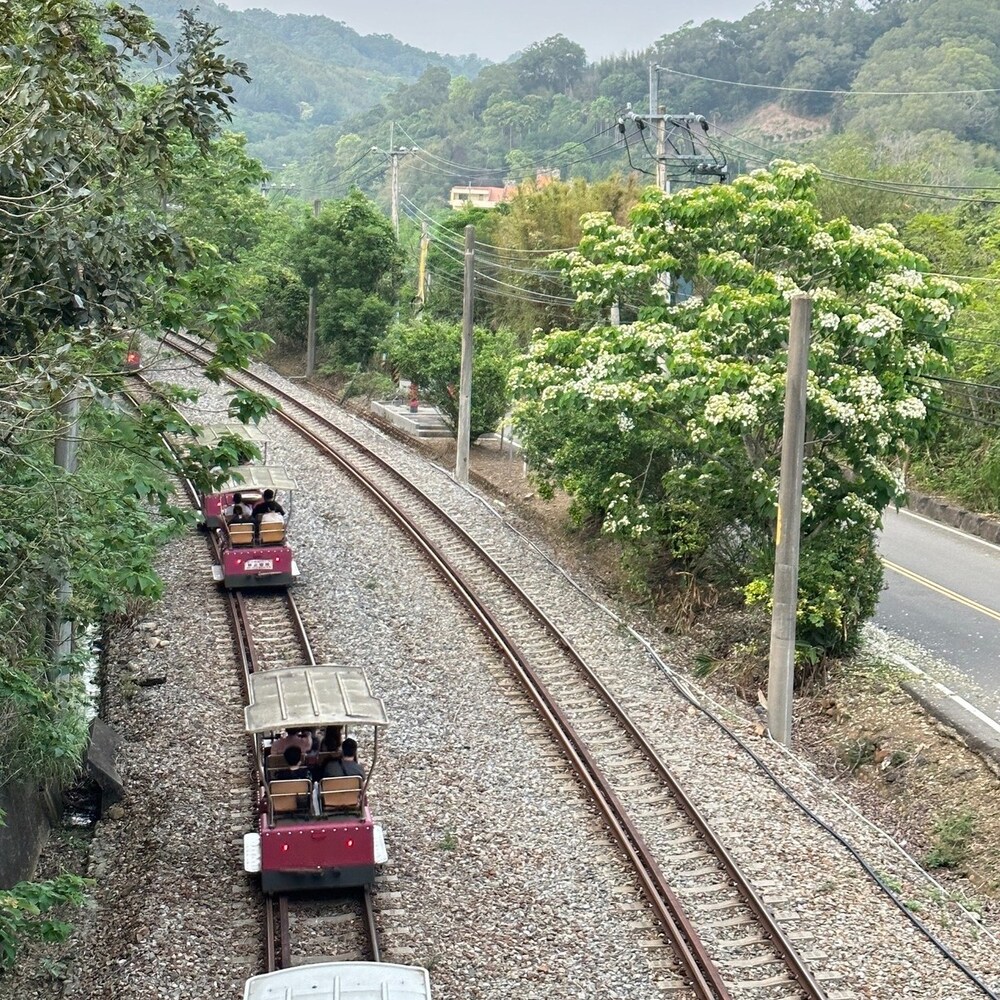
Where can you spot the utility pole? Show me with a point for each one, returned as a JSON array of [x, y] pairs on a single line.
[[465, 378], [425, 242], [65, 456], [781, 665], [311, 334], [662, 179], [394, 155]]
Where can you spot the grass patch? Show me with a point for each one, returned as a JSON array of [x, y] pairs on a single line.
[[952, 836]]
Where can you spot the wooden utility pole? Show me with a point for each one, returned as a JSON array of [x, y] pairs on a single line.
[[465, 378], [311, 335], [781, 667]]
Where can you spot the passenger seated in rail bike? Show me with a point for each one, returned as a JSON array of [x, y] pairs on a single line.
[[296, 766], [347, 764], [301, 738], [238, 511], [268, 505]]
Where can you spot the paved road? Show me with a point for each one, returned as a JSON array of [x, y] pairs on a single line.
[[944, 594]]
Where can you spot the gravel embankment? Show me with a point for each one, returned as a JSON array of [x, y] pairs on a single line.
[[501, 879]]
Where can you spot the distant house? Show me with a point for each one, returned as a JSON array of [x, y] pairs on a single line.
[[475, 196], [482, 196]]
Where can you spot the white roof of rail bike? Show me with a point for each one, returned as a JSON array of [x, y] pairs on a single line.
[[260, 477], [341, 981], [305, 697], [211, 434]]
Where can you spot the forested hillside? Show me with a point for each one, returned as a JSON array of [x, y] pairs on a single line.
[[776, 82], [306, 72]]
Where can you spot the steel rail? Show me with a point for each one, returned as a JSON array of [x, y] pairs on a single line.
[[692, 953]]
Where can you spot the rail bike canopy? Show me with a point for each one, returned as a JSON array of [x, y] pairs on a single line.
[[211, 434], [250, 478], [341, 981], [308, 697]]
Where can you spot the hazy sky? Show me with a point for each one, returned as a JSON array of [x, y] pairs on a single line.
[[497, 30]]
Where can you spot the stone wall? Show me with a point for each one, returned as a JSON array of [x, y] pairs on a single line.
[[987, 528], [28, 813]]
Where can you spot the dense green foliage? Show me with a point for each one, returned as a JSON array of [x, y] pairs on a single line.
[[308, 71], [668, 429], [350, 255], [93, 252], [26, 911], [430, 354]]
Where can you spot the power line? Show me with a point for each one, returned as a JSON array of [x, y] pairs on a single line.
[[846, 93], [892, 187]]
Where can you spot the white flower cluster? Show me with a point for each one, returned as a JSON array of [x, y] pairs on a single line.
[[879, 322], [939, 309], [859, 511], [911, 408], [696, 432], [821, 241], [835, 408], [737, 407], [624, 516], [625, 423], [907, 278], [828, 321]]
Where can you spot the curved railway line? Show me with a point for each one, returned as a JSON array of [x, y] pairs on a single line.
[[725, 939]]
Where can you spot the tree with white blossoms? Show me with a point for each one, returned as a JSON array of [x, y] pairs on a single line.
[[668, 428]]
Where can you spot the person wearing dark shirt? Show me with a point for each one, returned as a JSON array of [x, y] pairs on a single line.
[[296, 765], [268, 505], [347, 764]]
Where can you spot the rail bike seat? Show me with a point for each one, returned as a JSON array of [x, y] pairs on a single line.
[[341, 794], [240, 533], [271, 530], [290, 795]]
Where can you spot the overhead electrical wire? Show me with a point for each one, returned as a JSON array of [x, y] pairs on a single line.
[[892, 187], [431, 221], [845, 93]]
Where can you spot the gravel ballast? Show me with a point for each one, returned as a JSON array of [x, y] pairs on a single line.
[[501, 880]]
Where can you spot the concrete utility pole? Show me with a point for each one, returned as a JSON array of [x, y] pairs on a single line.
[[425, 242], [311, 334], [781, 667], [465, 379], [394, 155], [65, 456], [662, 179]]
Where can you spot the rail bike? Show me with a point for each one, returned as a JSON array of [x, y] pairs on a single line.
[[315, 828], [254, 549], [341, 981]]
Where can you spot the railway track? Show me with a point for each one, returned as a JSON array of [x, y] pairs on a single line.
[[326, 928], [329, 927], [688, 877], [723, 933]]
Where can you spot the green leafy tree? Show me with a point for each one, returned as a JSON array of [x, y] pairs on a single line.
[[89, 255], [668, 429], [350, 254], [430, 353], [555, 64]]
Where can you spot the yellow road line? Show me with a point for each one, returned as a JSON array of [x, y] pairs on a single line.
[[943, 591]]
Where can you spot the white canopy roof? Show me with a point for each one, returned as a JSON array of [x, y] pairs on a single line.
[[260, 477], [211, 434], [306, 697], [341, 981]]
